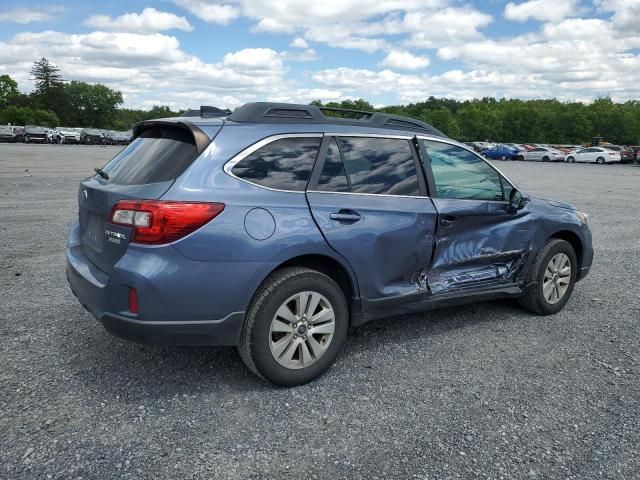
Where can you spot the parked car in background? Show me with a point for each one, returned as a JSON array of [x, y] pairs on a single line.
[[19, 132], [543, 154], [35, 134], [92, 136], [502, 152], [598, 155], [67, 135], [627, 154], [292, 227], [7, 134]]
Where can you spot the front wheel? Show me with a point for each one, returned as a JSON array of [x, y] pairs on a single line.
[[295, 327], [553, 276], [545, 159], [503, 158], [571, 160]]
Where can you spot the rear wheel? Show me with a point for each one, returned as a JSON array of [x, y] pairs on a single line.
[[553, 276], [600, 160], [571, 159], [295, 327], [503, 158]]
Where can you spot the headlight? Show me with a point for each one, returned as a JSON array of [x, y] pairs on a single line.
[[583, 217]]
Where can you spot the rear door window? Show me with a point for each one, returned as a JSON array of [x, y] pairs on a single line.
[[157, 155], [283, 164], [333, 177], [379, 165]]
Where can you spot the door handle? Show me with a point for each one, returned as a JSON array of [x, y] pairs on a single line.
[[345, 216], [447, 220]]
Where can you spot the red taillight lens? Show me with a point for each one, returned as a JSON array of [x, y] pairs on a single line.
[[156, 222], [133, 300], [613, 154]]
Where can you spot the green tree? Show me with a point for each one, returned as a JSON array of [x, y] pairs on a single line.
[[49, 85], [89, 105], [8, 90]]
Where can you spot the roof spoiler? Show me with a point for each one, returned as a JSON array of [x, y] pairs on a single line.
[[200, 139]]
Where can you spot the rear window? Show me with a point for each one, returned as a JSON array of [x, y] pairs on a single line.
[[379, 165], [158, 155], [283, 164]]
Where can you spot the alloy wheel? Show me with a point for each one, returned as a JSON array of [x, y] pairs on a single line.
[[301, 330], [557, 277]]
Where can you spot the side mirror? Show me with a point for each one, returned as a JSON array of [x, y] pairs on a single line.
[[516, 201]]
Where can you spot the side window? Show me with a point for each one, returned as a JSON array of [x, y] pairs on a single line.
[[284, 164], [379, 165], [333, 178], [461, 174]]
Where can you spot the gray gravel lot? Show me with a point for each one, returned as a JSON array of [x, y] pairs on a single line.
[[485, 390]]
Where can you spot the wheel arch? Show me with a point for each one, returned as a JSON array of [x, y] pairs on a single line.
[[330, 267], [574, 240]]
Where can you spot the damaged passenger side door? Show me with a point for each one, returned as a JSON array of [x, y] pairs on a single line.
[[481, 241]]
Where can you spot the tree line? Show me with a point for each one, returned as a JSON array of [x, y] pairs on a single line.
[[55, 102], [521, 121]]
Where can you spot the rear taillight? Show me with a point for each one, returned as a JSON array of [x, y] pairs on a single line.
[[156, 222], [613, 154]]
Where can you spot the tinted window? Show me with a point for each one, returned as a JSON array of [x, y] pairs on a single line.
[[158, 155], [379, 165], [283, 164], [333, 178], [461, 174]]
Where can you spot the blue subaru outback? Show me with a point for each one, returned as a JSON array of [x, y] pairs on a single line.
[[278, 227]]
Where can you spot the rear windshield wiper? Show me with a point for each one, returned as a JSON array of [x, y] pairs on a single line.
[[102, 173]]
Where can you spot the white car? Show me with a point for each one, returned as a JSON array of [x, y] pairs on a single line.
[[543, 154], [67, 135], [594, 155]]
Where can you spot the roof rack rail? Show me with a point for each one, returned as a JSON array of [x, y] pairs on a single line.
[[206, 111], [268, 112]]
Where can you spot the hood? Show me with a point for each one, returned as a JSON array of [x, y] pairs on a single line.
[[556, 203]]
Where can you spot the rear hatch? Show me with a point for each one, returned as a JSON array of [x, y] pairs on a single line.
[[145, 169]]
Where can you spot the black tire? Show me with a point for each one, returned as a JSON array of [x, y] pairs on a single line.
[[255, 337], [545, 159], [503, 158], [571, 160], [533, 299], [600, 161]]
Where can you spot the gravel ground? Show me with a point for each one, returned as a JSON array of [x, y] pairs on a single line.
[[479, 391]]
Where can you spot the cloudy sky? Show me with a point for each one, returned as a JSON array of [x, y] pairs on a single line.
[[185, 53]]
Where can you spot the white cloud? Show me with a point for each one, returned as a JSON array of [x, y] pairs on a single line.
[[29, 15], [253, 59], [211, 11], [149, 21], [403, 60], [353, 24], [626, 14], [299, 43], [543, 10], [149, 68]]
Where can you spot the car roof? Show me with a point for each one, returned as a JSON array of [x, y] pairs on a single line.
[[290, 113]]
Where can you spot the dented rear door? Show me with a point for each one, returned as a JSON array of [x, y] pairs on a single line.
[[479, 241], [373, 210]]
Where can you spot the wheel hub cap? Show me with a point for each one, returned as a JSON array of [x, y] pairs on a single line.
[[301, 330], [557, 277]]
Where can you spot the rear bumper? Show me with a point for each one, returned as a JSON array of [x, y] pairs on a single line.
[[170, 310], [224, 331]]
